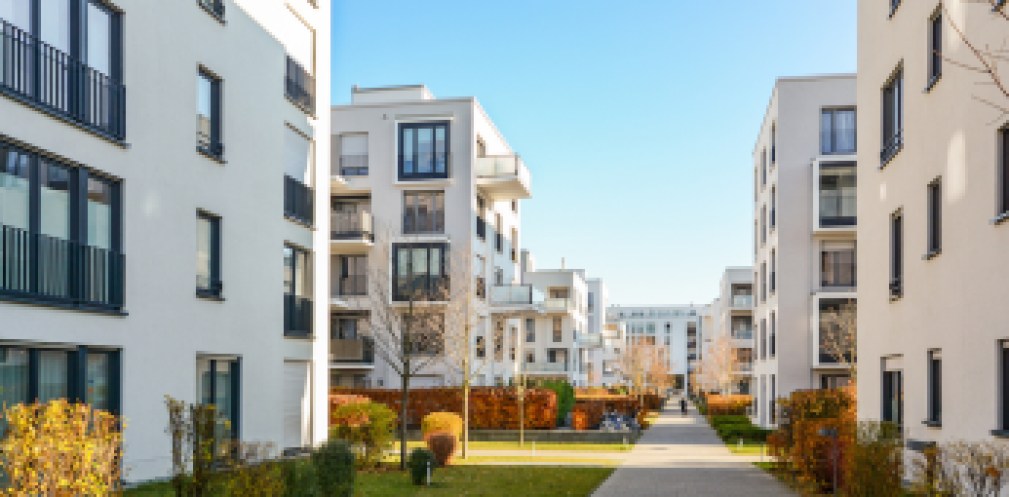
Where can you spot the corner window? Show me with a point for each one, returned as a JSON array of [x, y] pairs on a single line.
[[837, 131], [893, 116], [837, 264], [208, 114], [934, 387], [423, 150], [934, 217], [838, 195], [208, 255], [934, 48], [420, 271], [423, 212], [896, 254]]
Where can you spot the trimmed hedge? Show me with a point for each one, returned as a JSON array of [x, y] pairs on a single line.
[[732, 427], [441, 422]]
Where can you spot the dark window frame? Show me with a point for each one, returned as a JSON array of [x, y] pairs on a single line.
[[832, 147], [215, 284], [1002, 146], [235, 377], [934, 212], [402, 174], [892, 116], [934, 388], [213, 145], [77, 379], [934, 48], [1003, 386], [435, 219], [897, 254], [892, 388], [433, 283], [297, 307]]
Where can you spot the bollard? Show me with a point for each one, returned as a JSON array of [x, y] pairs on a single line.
[[429, 473], [740, 443]]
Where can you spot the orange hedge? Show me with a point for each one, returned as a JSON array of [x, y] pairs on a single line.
[[592, 408], [727, 404], [490, 407], [798, 443]]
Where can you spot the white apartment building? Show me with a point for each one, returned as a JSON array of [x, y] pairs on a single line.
[[156, 213], [677, 328], [425, 193], [731, 316], [933, 344], [804, 235], [593, 343]]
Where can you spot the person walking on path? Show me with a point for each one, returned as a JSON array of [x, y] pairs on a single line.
[[683, 406]]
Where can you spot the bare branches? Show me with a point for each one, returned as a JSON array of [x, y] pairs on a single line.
[[645, 364], [987, 58], [718, 365], [839, 335]]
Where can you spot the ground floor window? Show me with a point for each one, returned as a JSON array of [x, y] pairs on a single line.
[[47, 372], [220, 386], [893, 397]]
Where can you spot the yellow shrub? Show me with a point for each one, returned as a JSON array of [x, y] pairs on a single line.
[[448, 422]]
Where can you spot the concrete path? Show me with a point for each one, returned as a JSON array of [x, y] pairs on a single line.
[[680, 456]]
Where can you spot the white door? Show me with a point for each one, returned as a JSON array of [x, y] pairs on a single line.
[[297, 404]]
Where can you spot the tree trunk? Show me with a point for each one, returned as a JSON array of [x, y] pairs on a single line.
[[404, 398], [465, 412]]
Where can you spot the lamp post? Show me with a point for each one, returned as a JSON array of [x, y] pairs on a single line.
[[520, 393]]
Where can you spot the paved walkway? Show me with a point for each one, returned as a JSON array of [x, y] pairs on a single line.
[[680, 456]]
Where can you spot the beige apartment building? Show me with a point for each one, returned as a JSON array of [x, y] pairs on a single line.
[[933, 153], [731, 316], [804, 236]]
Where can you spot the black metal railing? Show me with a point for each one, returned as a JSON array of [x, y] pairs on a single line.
[[298, 201], [51, 80], [351, 226], [354, 165], [300, 86], [297, 316], [215, 7], [52, 270], [353, 285]]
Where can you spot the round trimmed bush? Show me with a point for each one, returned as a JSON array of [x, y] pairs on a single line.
[[443, 445], [441, 422], [420, 461]]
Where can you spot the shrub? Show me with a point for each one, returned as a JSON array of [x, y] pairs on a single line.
[[874, 462], [368, 425], [301, 478], [963, 469], [333, 465], [800, 443], [421, 460], [442, 445], [727, 404], [565, 398], [59, 448], [441, 422]]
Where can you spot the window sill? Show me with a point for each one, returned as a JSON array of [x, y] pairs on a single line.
[[218, 158], [931, 423], [1000, 433], [932, 82], [209, 295], [299, 221], [92, 309], [1001, 218], [297, 335], [931, 254]]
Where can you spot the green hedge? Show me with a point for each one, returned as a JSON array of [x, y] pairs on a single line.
[[731, 428]]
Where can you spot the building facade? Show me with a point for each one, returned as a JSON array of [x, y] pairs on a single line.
[[731, 319], [804, 237], [158, 213], [676, 328], [933, 354]]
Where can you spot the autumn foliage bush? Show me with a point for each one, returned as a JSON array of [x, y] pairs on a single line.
[[441, 422], [368, 427], [442, 445], [491, 408], [59, 448], [727, 404]]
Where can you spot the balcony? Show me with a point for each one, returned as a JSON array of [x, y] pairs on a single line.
[[298, 201], [515, 296], [742, 334], [52, 271], [742, 302], [50, 80], [297, 316], [351, 231], [558, 305], [352, 351], [545, 367], [503, 177], [350, 286], [354, 165], [299, 87], [838, 209]]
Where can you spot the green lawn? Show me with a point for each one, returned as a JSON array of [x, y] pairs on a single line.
[[748, 448], [567, 446], [468, 481]]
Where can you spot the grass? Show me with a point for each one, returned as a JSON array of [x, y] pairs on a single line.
[[468, 481], [594, 461], [567, 446], [748, 448]]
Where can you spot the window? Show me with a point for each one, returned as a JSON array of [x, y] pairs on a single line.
[[774, 207], [837, 263], [353, 154], [763, 339], [297, 292], [427, 334], [838, 195], [934, 217], [298, 176], [763, 282], [423, 212], [50, 215], [763, 224], [498, 276], [893, 116], [531, 357], [558, 332], [934, 388], [774, 271], [774, 335], [893, 397], [421, 272], [763, 167], [498, 236], [353, 276], [1003, 145], [893, 6], [1004, 386], [896, 254], [935, 48], [836, 331], [423, 150], [208, 114], [774, 143], [208, 255], [837, 131], [219, 385], [213, 7], [78, 373], [530, 330], [481, 347], [350, 218]]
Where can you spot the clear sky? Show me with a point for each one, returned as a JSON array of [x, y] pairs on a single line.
[[637, 118]]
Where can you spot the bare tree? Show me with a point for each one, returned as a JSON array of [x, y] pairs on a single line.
[[718, 365], [644, 364], [839, 336], [989, 57]]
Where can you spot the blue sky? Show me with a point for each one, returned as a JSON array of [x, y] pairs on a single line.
[[636, 118]]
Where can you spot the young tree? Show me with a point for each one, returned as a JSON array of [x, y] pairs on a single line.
[[839, 336], [718, 365], [988, 57], [644, 363]]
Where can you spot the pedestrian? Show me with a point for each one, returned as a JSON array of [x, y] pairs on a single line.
[[683, 406]]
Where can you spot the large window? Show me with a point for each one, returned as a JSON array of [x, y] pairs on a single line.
[[897, 254], [352, 278], [423, 150], [934, 48], [60, 232], [893, 116], [421, 271], [208, 114], [530, 330], [934, 387], [838, 195], [837, 263], [77, 373], [837, 331], [219, 385], [353, 154], [297, 291], [208, 255], [423, 212], [934, 217], [837, 131]]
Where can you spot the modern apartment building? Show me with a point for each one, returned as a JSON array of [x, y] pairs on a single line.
[[593, 344], [731, 317], [933, 155], [157, 213], [425, 200], [804, 237], [676, 328], [555, 343]]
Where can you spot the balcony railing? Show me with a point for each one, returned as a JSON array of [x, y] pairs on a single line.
[[351, 225], [51, 80], [300, 86], [40, 268], [743, 333], [515, 295], [351, 286], [742, 301], [354, 165], [559, 304], [842, 275], [837, 208], [502, 166], [545, 367], [298, 201], [352, 350], [297, 316]]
